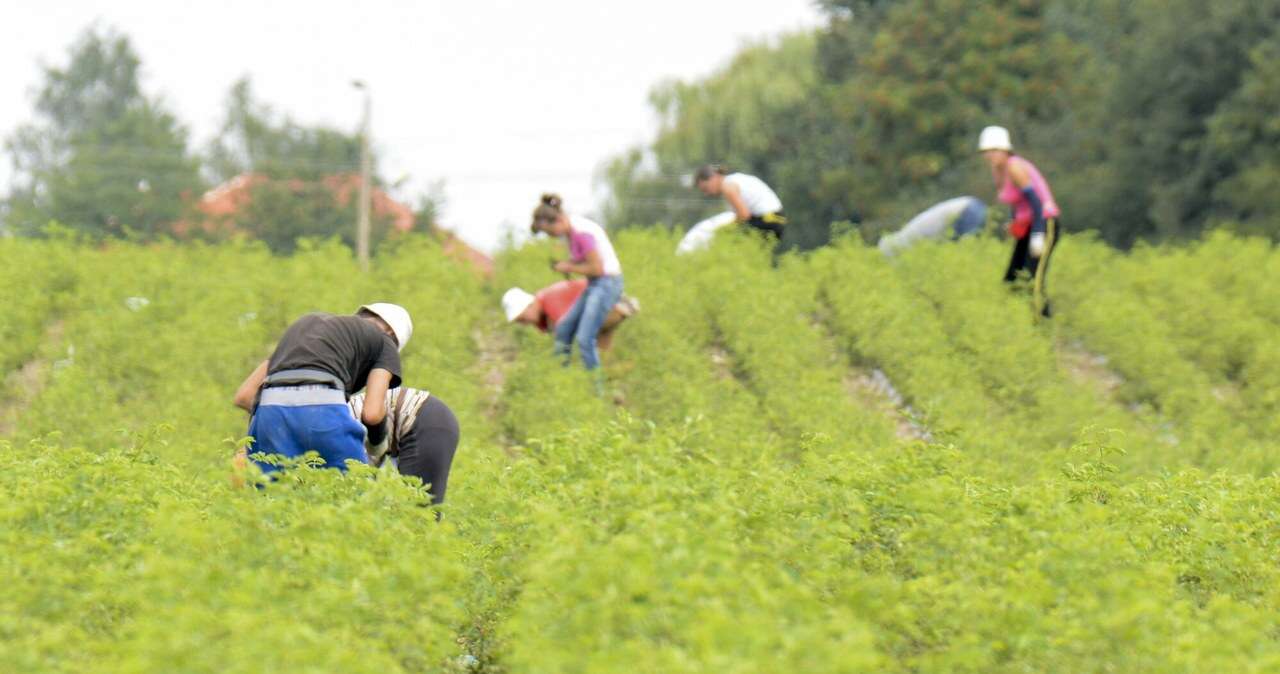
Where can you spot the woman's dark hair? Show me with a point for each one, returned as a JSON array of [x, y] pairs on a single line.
[[705, 172], [549, 208]]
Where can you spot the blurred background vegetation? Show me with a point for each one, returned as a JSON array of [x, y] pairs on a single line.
[[1153, 120]]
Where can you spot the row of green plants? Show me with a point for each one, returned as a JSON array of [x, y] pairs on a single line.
[[727, 504], [1233, 335], [1102, 305], [130, 548]]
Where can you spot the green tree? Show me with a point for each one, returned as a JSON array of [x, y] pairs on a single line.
[[1182, 61], [102, 157], [871, 119], [256, 138], [752, 116], [1244, 137], [306, 174]]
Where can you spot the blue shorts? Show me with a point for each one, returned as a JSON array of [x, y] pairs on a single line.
[[291, 430]]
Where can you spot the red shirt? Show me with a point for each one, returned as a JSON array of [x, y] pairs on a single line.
[[557, 299]]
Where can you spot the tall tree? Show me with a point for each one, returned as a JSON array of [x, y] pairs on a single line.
[[102, 157], [256, 138], [305, 176], [1244, 137], [871, 119], [756, 115]]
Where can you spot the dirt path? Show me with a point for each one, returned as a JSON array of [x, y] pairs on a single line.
[[24, 385], [870, 387], [1089, 369], [495, 353]]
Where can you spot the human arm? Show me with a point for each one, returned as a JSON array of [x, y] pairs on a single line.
[[1022, 179], [733, 195], [375, 397], [248, 391], [592, 265]]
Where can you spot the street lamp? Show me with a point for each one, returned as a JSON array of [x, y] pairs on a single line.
[[366, 179]]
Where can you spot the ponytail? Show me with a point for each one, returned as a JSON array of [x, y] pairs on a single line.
[[549, 208]]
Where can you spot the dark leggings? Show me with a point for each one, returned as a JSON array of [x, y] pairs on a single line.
[[1038, 267], [426, 451]]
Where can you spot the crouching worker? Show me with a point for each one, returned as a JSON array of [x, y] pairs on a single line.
[[298, 397], [544, 309], [422, 436], [754, 203]]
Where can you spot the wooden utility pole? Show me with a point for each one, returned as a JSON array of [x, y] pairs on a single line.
[[366, 180]]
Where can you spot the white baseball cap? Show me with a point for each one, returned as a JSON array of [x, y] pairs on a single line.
[[514, 302], [396, 316], [995, 138]]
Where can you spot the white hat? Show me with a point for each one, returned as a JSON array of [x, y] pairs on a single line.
[[995, 138], [514, 302], [396, 316]]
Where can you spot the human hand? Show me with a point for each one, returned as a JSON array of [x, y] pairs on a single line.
[[564, 267], [1036, 245]]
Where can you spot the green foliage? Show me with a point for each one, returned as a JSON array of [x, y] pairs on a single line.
[[1243, 134], [1152, 120], [104, 158], [254, 138], [728, 505]]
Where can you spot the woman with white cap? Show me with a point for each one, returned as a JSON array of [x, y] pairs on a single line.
[[298, 397], [1034, 226], [544, 309], [591, 255]]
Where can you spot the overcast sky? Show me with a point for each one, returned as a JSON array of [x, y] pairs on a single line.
[[501, 100]]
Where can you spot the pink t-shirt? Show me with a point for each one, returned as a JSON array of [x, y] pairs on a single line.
[[586, 236], [581, 243], [1022, 215]]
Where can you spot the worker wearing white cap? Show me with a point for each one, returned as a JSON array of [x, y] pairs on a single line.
[[544, 309], [1034, 225], [298, 397]]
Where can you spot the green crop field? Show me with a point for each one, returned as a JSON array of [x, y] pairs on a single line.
[[836, 464]]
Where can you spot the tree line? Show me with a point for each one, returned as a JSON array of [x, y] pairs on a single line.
[[1153, 119], [105, 159]]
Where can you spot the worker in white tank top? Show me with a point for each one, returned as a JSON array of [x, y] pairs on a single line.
[[753, 202]]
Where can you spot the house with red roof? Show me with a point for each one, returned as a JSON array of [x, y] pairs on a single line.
[[218, 209]]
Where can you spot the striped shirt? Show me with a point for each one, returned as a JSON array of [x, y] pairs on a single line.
[[414, 400]]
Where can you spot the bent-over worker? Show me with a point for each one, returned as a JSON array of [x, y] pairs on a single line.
[[544, 309], [754, 203], [298, 397], [422, 437]]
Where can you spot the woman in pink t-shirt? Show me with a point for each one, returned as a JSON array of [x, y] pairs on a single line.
[[591, 255], [1034, 225]]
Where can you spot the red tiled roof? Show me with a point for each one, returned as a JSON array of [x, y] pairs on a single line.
[[218, 205]]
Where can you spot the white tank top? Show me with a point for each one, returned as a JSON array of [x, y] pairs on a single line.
[[760, 200]]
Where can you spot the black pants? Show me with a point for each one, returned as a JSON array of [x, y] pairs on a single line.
[[1036, 267], [426, 452], [771, 224]]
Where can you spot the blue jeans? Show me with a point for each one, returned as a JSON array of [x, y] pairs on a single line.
[[292, 431], [582, 323]]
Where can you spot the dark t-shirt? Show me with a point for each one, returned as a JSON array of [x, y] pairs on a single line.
[[347, 347]]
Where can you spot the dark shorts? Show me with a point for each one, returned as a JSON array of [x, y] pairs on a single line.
[[771, 224]]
